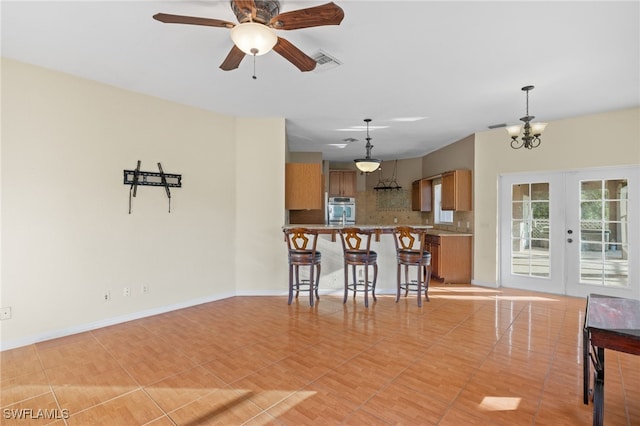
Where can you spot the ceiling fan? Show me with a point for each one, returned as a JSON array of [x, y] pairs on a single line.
[[254, 35]]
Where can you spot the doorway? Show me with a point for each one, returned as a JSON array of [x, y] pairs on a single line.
[[572, 232]]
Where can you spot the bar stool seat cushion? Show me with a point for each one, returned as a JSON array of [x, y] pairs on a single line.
[[413, 256], [360, 256], [304, 256]]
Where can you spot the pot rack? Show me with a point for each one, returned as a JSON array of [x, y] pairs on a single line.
[[138, 177], [388, 184]]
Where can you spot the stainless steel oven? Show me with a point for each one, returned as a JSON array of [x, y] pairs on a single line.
[[341, 211]]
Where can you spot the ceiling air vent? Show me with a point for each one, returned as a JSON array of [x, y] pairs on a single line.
[[325, 61]]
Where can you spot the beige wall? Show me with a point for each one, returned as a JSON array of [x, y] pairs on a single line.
[[305, 157], [67, 236], [259, 211], [458, 155], [608, 139]]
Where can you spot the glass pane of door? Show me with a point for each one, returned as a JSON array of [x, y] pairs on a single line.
[[530, 227], [604, 239]]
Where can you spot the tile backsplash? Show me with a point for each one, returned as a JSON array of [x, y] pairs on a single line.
[[394, 206]]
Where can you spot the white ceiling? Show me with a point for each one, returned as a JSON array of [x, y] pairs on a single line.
[[458, 64]]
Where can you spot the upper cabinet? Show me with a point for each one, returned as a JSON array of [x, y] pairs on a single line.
[[456, 190], [303, 186], [421, 195], [342, 183]]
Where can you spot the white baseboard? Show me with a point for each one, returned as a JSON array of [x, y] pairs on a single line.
[[80, 328]]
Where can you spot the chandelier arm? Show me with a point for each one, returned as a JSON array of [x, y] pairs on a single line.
[[535, 142], [516, 144]]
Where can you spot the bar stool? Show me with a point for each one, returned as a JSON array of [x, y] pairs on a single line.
[[410, 251], [358, 254], [302, 243]]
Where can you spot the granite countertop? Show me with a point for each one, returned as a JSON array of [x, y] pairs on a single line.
[[429, 228], [363, 226]]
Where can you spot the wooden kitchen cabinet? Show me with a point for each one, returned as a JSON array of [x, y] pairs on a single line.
[[342, 183], [456, 190], [421, 195], [303, 186], [450, 257]]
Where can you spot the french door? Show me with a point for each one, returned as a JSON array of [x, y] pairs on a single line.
[[571, 233]]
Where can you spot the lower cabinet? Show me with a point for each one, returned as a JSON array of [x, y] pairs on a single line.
[[450, 257]]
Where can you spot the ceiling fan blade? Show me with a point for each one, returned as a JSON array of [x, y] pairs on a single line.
[[233, 59], [248, 7], [192, 20], [326, 14], [294, 55]]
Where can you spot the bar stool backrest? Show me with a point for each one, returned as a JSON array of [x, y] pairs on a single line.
[[352, 239], [408, 238], [301, 239]]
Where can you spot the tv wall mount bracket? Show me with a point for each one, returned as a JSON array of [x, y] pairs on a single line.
[[137, 177]]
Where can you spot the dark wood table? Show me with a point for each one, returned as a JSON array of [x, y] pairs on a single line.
[[610, 323]]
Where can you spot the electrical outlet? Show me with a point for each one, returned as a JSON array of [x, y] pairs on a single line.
[[145, 288], [107, 295], [126, 292], [5, 313]]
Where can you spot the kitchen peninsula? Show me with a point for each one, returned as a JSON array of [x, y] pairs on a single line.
[[450, 255]]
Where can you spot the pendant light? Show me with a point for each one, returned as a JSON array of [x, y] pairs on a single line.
[[367, 164]]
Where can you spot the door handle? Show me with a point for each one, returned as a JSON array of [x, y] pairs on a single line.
[[570, 231], [569, 240]]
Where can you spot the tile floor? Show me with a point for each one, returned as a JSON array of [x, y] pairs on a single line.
[[471, 355]]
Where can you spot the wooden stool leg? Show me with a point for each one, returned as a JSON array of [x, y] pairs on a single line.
[[427, 279], [290, 283], [406, 280], [346, 283], [366, 285], [399, 273], [318, 266], [297, 269], [311, 280], [419, 273], [375, 280], [355, 280]]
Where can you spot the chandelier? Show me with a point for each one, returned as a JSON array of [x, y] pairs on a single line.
[[367, 164], [530, 131]]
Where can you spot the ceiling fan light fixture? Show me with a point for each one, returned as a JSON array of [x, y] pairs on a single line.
[[367, 164], [253, 38]]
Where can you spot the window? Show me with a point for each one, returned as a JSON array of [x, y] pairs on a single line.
[[440, 216]]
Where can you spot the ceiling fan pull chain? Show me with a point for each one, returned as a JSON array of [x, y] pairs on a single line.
[[254, 51]]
